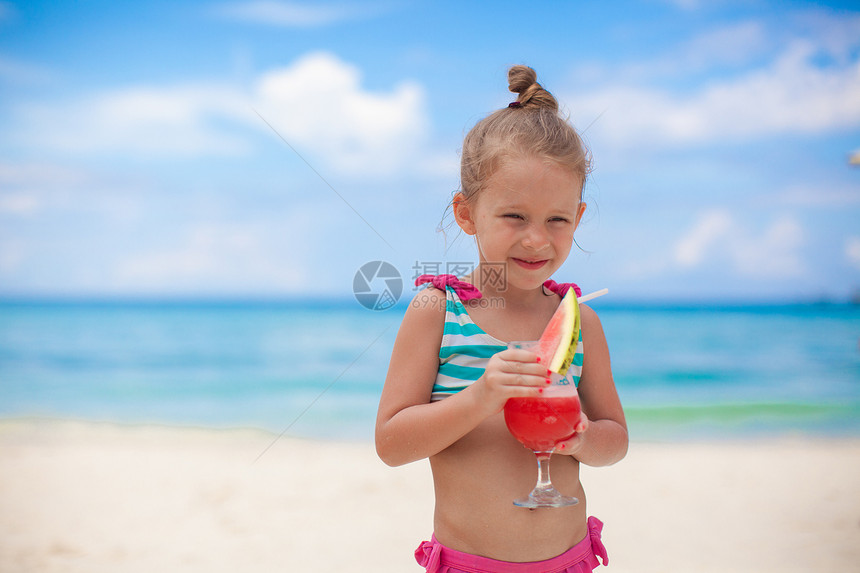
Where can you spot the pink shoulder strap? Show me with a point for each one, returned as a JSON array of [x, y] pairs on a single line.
[[561, 288], [467, 291]]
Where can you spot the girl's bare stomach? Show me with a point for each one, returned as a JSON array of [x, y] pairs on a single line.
[[476, 480]]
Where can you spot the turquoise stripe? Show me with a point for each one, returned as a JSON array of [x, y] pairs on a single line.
[[474, 350], [460, 372], [447, 389], [469, 329], [454, 377]]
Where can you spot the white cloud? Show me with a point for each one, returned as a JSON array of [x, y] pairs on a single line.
[[774, 253], [227, 256], [852, 251], [290, 14], [794, 93], [144, 121], [13, 252], [318, 103], [837, 34], [732, 44], [30, 188], [36, 174], [19, 203], [718, 239], [199, 256], [691, 249]]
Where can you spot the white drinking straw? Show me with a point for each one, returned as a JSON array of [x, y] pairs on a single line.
[[595, 294]]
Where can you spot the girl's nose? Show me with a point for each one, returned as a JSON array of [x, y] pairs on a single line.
[[536, 238]]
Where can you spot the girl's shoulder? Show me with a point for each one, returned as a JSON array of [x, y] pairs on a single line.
[[588, 315], [442, 293], [429, 300], [592, 328], [423, 325]]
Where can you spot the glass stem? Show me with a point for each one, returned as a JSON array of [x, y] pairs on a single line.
[[543, 481]]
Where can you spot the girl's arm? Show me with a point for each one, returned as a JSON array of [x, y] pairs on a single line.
[[604, 438], [408, 426]]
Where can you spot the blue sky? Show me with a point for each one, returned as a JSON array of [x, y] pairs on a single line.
[[266, 148]]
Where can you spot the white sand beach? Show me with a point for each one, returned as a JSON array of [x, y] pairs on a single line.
[[93, 497]]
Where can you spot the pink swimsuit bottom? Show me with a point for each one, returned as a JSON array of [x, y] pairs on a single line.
[[581, 558]]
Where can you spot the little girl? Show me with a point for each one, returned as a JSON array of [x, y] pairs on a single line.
[[523, 169]]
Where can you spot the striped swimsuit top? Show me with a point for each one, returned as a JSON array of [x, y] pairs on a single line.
[[466, 349]]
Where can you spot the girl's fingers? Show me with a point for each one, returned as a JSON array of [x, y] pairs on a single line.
[[572, 445], [530, 381], [516, 373], [524, 390], [519, 355], [526, 377], [582, 425], [525, 369]]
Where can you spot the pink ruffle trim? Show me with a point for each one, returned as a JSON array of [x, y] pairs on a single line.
[[467, 291], [561, 288]]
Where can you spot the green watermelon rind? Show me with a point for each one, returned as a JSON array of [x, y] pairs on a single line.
[[557, 344], [574, 340]]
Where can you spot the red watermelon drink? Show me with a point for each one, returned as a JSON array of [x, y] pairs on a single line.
[[541, 423]]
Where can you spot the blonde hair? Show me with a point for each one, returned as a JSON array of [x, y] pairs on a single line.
[[529, 127]]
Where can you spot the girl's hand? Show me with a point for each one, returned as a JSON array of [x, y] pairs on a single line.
[[573, 445], [511, 373]]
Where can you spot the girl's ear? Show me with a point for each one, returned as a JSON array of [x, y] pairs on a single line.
[[464, 213], [580, 210]]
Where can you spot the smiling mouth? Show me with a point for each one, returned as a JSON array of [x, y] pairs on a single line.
[[531, 265]]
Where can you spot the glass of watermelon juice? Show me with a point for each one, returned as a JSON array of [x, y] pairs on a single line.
[[540, 423]]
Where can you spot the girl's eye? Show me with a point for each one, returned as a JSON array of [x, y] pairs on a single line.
[[513, 216], [558, 220]]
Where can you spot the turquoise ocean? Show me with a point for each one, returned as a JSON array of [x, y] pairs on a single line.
[[315, 369]]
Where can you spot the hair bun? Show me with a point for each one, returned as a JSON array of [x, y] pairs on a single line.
[[522, 80]]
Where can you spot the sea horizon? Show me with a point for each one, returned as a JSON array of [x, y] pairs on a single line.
[[315, 367], [348, 299]]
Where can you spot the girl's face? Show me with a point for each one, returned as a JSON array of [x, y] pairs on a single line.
[[524, 217]]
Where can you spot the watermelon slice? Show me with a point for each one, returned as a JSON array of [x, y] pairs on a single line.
[[557, 344]]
